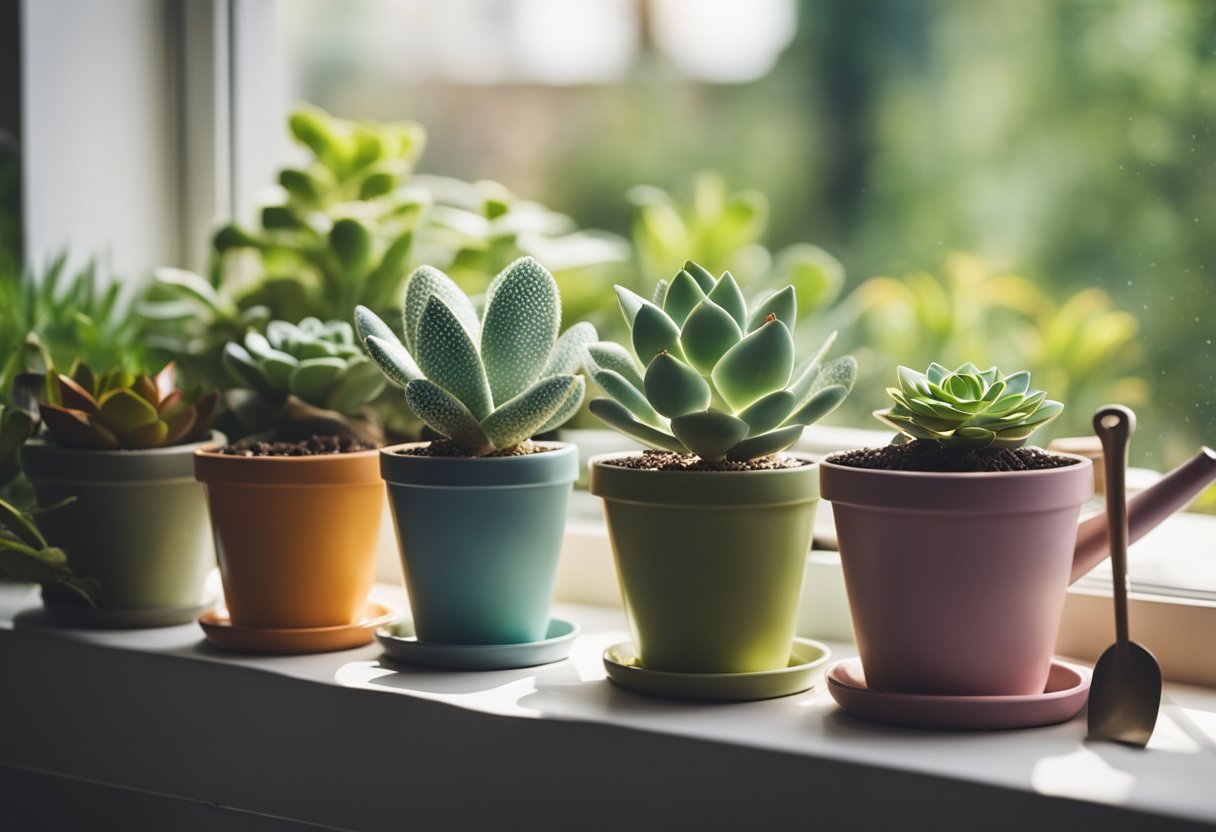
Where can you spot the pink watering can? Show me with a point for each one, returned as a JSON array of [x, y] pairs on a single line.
[[957, 581]]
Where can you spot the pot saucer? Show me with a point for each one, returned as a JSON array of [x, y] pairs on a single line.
[[806, 658], [400, 643], [71, 615], [1066, 693], [222, 633]]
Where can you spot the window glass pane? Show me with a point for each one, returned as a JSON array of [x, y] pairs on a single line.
[[1027, 184]]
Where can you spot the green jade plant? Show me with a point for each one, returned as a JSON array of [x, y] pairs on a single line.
[[711, 377], [121, 410], [304, 379], [967, 408], [486, 383]]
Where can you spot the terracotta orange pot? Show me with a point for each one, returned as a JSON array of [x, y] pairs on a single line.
[[296, 537]]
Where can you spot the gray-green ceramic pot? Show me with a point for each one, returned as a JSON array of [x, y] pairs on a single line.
[[480, 539], [710, 562], [138, 523]]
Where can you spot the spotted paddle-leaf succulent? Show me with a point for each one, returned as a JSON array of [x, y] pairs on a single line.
[[485, 382], [711, 376], [123, 411], [966, 408]]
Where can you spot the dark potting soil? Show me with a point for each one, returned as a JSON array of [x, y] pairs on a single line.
[[930, 456], [651, 460], [313, 446], [447, 448]]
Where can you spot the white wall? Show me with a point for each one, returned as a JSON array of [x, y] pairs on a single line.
[[99, 132]]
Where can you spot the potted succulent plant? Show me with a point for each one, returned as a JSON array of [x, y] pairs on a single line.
[[117, 463], [296, 506], [711, 528], [480, 513], [957, 543]]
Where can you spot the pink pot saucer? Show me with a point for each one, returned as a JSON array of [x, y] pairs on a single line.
[[222, 633], [1065, 696]]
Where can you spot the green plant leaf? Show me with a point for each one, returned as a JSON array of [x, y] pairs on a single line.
[[568, 352], [123, 410], [709, 434], [609, 355], [630, 303], [726, 293], [673, 388], [758, 365], [522, 416], [682, 297], [313, 378], [449, 358], [617, 417], [425, 282], [392, 359], [21, 526], [245, 370], [573, 401], [630, 397], [523, 315], [765, 444], [708, 334], [820, 404], [76, 429], [783, 304], [653, 333], [447, 416], [768, 412], [360, 383], [704, 279], [351, 242]]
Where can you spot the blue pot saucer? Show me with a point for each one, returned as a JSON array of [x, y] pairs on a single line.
[[807, 658], [401, 644]]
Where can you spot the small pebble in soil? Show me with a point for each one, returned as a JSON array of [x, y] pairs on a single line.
[[448, 448], [923, 455], [313, 446], [667, 461]]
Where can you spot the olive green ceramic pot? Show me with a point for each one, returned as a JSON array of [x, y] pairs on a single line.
[[710, 562], [138, 523]]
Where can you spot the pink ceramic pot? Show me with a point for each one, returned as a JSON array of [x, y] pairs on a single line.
[[956, 582]]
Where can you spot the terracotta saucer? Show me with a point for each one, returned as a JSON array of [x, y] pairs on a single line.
[[1065, 695], [806, 658], [222, 633], [401, 644]]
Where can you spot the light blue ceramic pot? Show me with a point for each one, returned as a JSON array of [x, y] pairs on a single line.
[[480, 540]]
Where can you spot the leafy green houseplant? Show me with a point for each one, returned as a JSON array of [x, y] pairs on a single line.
[[486, 383], [301, 380], [713, 387], [116, 464], [957, 542]]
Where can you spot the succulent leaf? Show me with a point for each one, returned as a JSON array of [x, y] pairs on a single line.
[[614, 414], [523, 316], [673, 388], [709, 332], [425, 282], [567, 355], [449, 358], [313, 378], [359, 384], [967, 408], [522, 417], [653, 333], [447, 416], [628, 396], [392, 359], [726, 394], [573, 401], [758, 365]]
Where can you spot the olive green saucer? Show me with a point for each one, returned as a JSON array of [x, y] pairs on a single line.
[[807, 658]]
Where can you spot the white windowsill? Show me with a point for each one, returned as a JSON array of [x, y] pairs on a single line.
[[157, 711]]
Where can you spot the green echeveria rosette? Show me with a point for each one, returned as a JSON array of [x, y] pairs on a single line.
[[966, 408], [710, 376], [303, 378], [486, 382]]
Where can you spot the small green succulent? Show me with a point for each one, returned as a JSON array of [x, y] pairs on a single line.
[[715, 378], [967, 408], [121, 410], [303, 378], [486, 383]]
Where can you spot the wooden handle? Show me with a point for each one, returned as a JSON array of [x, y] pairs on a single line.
[[1114, 424]]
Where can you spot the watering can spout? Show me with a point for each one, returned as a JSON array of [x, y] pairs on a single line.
[[1146, 510]]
